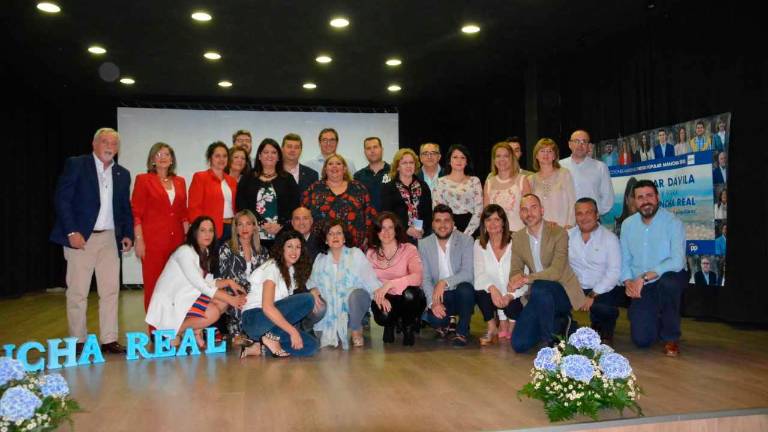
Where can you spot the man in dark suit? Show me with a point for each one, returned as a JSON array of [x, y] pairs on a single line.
[[663, 149], [705, 277], [304, 175], [301, 221], [93, 223], [720, 173], [242, 139]]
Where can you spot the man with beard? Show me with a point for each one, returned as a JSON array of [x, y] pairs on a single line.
[[448, 273], [653, 270], [554, 288]]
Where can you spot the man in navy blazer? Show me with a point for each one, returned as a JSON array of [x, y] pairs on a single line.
[[720, 173], [448, 273], [705, 277], [93, 223], [302, 174], [663, 149]]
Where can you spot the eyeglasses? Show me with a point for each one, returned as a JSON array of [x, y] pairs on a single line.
[[430, 153], [580, 141]]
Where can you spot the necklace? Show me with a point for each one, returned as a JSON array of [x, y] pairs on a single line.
[[384, 257], [269, 175]]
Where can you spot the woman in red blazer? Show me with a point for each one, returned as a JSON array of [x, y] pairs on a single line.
[[159, 205], [212, 192]]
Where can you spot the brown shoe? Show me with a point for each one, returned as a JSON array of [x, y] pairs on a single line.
[[113, 348], [671, 349]]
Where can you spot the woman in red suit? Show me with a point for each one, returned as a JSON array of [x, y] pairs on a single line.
[[159, 205], [212, 192]]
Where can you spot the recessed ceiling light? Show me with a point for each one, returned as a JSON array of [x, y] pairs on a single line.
[[201, 16], [49, 7], [128, 81], [394, 88], [323, 59], [96, 49], [309, 85], [394, 62], [225, 84], [470, 29], [339, 22], [212, 55]]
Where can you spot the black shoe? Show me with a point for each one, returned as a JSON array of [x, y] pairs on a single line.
[[459, 341], [408, 337], [113, 348], [389, 334]]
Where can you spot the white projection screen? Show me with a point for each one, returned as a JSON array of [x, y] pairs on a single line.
[[190, 131]]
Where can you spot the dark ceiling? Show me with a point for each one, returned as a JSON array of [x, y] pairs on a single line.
[[269, 46]]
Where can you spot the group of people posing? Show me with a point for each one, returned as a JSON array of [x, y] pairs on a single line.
[[285, 258]]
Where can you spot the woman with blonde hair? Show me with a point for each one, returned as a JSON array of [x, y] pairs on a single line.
[[407, 196], [238, 258], [505, 185], [337, 196], [553, 184]]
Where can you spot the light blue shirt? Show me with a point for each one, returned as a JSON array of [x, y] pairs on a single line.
[[657, 247], [535, 244], [720, 245]]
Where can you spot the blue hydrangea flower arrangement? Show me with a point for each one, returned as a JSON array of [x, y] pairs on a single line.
[[582, 376], [32, 401]]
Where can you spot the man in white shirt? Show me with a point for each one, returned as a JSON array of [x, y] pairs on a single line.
[[595, 256], [591, 177], [448, 273], [329, 142], [94, 225]]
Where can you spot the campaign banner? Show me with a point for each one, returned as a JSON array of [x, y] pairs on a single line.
[[685, 189]]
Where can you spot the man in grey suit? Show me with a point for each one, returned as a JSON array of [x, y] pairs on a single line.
[[448, 273]]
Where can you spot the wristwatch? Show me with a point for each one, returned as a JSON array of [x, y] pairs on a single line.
[[592, 294], [645, 277]]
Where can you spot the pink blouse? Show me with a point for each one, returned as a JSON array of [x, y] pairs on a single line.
[[402, 270]]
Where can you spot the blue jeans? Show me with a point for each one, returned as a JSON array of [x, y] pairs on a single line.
[[459, 301], [293, 308], [658, 306], [537, 321]]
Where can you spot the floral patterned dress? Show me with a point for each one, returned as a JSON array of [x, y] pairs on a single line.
[[234, 266], [353, 206], [266, 208]]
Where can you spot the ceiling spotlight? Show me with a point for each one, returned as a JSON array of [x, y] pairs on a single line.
[[323, 59], [394, 62], [98, 50], [49, 7], [225, 84], [128, 81], [201, 16], [212, 55], [339, 22], [309, 85], [470, 29], [394, 88]]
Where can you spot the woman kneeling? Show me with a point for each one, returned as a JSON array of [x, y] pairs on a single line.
[[272, 313]]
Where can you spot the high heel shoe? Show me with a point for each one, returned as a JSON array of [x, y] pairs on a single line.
[[252, 349], [278, 352], [389, 334], [489, 339]]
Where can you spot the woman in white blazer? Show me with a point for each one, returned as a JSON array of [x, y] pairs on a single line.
[[492, 255], [186, 294]]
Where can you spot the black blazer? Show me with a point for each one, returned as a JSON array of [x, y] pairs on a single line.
[[313, 246], [307, 176], [285, 188], [77, 200], [392, 201], [698, 279]]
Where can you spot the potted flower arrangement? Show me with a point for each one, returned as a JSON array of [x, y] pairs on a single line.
[[582, 376], [32, 401]]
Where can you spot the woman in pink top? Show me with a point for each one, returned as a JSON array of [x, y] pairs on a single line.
[[400, 300]]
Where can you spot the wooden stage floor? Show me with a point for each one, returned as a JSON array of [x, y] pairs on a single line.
[[431, 386]]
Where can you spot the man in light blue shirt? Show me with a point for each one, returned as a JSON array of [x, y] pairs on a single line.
[[653, 270]]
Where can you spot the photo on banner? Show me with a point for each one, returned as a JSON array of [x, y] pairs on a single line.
[[688, 162]]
